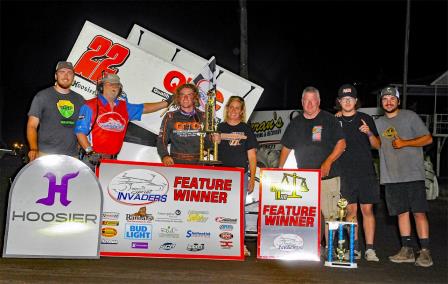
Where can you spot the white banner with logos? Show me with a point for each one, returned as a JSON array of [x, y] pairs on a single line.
[[145, 77], [289, 217], [228, 83], [179, 212], [54, 210]]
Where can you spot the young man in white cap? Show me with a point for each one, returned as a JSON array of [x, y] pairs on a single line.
[[359, 182], [102, 123], [403, 135], [52, 116]]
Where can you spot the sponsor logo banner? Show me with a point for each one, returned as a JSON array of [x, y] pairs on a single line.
[[186, 222], [54, 199], [289, 225]]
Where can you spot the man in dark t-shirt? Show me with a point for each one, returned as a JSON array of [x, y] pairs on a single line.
[[52, 116], [317, 140], [359, 181]]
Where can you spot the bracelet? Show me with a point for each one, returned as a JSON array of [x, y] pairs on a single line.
[[370, 133], [88, 150]]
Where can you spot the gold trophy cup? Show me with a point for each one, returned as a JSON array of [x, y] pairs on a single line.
[[209, 127]]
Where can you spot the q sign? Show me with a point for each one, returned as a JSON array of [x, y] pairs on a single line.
[[174, 79]]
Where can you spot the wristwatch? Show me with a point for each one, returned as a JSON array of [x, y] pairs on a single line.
[[88, 150]]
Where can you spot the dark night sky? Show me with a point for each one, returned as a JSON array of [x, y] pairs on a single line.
[[292, 44]]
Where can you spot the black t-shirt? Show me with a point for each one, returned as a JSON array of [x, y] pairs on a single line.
[[357, 158], [235, 142], [313, 140]]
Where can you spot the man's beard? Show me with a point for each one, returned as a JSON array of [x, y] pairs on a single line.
[[64, 85], [392, 110]]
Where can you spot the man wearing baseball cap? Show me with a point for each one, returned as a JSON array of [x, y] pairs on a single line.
[[359, 183], [403, 135], [102, 122], [52, 116]]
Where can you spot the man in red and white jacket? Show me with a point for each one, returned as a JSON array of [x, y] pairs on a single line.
[[102, 122]]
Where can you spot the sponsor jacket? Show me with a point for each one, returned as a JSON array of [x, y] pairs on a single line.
[[107, 128]]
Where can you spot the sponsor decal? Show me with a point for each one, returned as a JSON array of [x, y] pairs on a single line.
[[66, 108], [53, 217], [138, 187], [138, 231], [169, 217], [139, 245], [168, 232], [108, 232], [226, 244], [110, 223], [192, 234], [196, 217], [111, 121], [268, 125], [288, 242], [195, 247], [290, 187], [111, 215], [226, 236], [109, 242], [226, 227], [54, 188], [226, 220], [140, 216], [102, 55], [167, 246]]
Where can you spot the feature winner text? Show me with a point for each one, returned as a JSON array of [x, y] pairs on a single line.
[[279, 215], [194, 189]]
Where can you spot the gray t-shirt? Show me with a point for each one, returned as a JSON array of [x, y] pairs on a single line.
[[405, 164], [57, 115]]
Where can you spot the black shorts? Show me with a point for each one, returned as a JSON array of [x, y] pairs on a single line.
[[362, 189], [406, 196]]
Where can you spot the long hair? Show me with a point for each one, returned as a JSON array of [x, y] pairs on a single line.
[[186, 86], [243, 107]]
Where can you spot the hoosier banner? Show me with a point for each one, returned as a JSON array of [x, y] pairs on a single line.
[[54, 210], [179, 212], [289, 214]]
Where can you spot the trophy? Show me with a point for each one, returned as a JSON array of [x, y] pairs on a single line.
[[209, 127], [339, 225]]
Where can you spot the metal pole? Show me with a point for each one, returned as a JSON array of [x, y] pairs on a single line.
[[406, 51], [244, 70]]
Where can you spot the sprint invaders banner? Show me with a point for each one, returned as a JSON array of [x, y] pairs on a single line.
[[180, 212], [289, 214]]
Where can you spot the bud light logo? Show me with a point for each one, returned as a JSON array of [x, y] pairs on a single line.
[[54, 188], [138, 232], [138, 187]]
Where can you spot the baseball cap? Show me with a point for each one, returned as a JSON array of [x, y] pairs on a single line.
[[112, 79], [64, 64], [390, 91], [347, 90]]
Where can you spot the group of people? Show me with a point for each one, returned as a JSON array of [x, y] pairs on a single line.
[[61, 122], [340, 146]]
